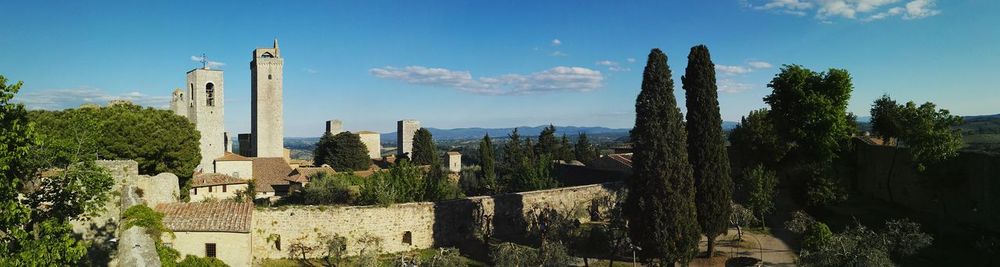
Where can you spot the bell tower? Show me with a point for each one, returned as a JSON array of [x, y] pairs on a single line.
[[266, 116], [204, 100]]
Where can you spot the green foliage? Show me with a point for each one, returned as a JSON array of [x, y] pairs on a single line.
[[547, 143], [488, 176], [325, 188], [927, 131], [583, 150], [424, 150], [809, 112], [343, 152], [760, 184], [152, 221], [522, 169], [36, 231], [159, 140], [706, 146], [81, 191], [335, 248], [857, 245], [513, 255], [437, 187], [660, 204], [755, 140], [402, 183], [195, 261]]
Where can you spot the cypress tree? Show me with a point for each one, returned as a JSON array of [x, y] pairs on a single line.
[[547, 143], [706, 146], [424, 150], [660, 202], [565, 149], [489, 176]]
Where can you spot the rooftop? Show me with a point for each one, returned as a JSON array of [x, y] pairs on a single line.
[[230, 156], [209, 179], [270, 171], [221, 216]]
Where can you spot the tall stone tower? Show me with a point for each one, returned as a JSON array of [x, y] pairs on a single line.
[[404, 136], [266, 126], [205, 109]]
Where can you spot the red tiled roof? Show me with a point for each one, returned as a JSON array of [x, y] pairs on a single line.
[[302, 174], [625, 159], [270, 171], [229, 156], [207, 179], [224, 216]]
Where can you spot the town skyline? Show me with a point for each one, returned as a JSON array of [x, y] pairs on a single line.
[[522, 64]]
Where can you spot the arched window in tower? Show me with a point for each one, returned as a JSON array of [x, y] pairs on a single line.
[[267, 55], [191, 92], [210, 94]]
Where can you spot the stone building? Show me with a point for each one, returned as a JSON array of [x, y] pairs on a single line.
[[266, 119], [372, 141], [334, 127], [215, 186], [454, 161], [404, 136], [210, 229], [234, 165], [203, 106]]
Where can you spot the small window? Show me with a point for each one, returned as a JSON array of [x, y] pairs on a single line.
[[223, 188], [195, 191], [210, 189], [210, 94], [408, 238], [210, 250], [277, 243], [269, 76], [192, 91]]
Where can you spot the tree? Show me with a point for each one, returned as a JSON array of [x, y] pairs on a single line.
[[565, 149], [424, 150], [343, 152], [707, 146], [583, 150], [660, 204], [33, 232], [547, 142], [809, 112], [760, 184], [158, 140], [488, 181], [857, 245], [755, 141]]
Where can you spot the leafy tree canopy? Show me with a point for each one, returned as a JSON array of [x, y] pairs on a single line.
[[343, 152]]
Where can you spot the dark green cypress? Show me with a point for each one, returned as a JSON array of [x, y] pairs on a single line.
[[706, 146], [424, 150], [583, 150], [660, 201], [489, 175]]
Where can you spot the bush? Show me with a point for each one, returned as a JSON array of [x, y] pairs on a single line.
[[194, 261]]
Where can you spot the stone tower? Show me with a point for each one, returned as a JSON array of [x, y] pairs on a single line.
[[334, 127], [266, 126], [205, 109], [179, 103], [404, 136]]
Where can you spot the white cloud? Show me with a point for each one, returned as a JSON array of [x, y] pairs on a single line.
[[210, 64], [310, 71], [556, 42], [732, 69], [578, 79], [612, 65], [630, 60], [54, 99], [558, 54], [759, 64], [863, 10], [732, 87]]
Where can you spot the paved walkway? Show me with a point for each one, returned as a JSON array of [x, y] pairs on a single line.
[[774, 251]]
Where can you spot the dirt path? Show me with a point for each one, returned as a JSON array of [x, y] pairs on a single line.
[[774, 251]]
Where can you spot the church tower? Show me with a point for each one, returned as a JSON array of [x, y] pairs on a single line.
[[205, 109], [266, 126]]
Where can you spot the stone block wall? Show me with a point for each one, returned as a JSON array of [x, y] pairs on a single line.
[[453, 223]]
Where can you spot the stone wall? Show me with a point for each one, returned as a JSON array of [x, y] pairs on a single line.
[[965, 189], [453, 223]]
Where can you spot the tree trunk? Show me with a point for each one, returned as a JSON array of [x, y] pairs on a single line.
[[585, 262], [711, 247]]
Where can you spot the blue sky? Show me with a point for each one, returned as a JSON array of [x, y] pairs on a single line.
[[495, 63]]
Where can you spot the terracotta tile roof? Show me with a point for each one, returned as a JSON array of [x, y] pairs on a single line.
[[230, 156], [270, 171], [207, 179], [222, 216]]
